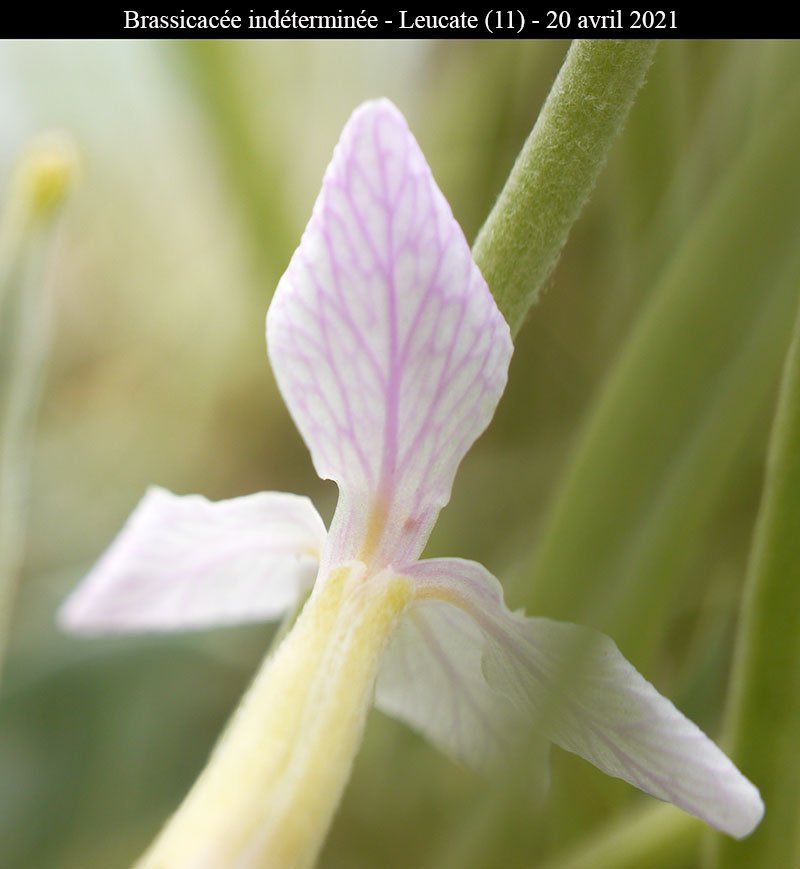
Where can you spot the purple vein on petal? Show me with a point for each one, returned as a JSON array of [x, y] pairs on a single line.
[[397, 345]]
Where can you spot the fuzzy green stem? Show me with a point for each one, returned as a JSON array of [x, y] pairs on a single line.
[[558, 166], [764, 714]]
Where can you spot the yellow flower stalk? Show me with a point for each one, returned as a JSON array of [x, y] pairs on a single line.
[[274, 780]]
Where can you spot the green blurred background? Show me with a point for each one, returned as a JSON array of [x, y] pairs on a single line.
[[200, 164]]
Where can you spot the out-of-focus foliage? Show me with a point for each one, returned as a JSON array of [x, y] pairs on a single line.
[[764, 706], [201, 165]]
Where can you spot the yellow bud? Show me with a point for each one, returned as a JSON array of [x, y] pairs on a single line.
[[46, 172]]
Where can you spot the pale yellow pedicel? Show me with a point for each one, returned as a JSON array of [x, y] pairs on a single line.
[[274, 780]]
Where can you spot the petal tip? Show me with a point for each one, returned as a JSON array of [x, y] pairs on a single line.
[[73, 617], [748, 814], [66, 618], [185, 563], [379, 107]]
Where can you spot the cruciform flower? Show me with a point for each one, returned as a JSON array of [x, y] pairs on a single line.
[[391, 356]]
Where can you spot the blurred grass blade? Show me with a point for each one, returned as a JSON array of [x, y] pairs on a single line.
[[687, 388], [764, 715], [253, 164], [557, 168], [714, 141], [658, 837], [37, 191], [777, 75], [491, 98]]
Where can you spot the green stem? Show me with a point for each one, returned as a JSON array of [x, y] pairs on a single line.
[[558, 166], [764, 714]]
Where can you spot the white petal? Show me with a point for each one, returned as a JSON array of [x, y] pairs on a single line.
[[385, 341], [183, 562], [576, 685], [432, 679]]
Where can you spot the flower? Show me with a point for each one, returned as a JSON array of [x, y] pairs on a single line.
[[391, 356]]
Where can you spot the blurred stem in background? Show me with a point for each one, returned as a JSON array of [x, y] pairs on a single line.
[[666, 183], [657, 836], [254, 165], [35, 195], [764, 714], [557, 169]]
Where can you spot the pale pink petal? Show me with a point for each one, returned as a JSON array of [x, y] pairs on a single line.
[[183, 562], [575, 685], [385, 341], [432, 679]]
